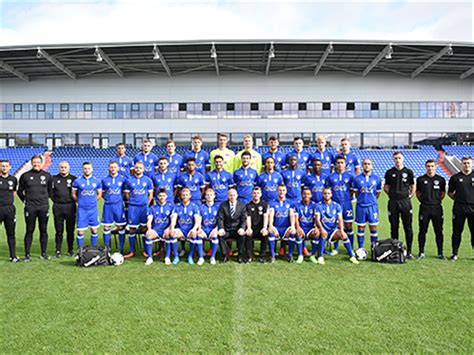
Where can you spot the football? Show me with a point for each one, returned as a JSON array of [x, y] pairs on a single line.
[[116, 259], [362, 254]]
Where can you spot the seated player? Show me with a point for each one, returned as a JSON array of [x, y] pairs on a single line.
[[138, 193], [305, 212], [86, 190], [113, 211], [281, 223], [219, 180], [208, 230], [331, 228], [159, 220], [245, 179], [367, 187], [315, 181], [185, 224], [164, 179], [269, 181], [257, 224]]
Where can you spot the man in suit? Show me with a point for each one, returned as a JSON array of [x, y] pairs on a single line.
[[231, 223]]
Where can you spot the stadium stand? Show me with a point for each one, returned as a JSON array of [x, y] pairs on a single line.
[[18, 156], [459, 150]]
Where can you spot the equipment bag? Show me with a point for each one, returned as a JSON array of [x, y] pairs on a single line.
[[93, 256], [389, 251]]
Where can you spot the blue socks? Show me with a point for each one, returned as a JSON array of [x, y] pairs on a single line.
[[314, 246], [121, 234], [214, 246], [132, 240], [374, 236], [322, 246], [360, 238], [291, 244], [174, 246], [350, 234], [299, 246], [198, 243], [348, 246], [94, 239], [80, 240], [271, 244], [149, 247], [192, 246], [107, 237], [168, 248]]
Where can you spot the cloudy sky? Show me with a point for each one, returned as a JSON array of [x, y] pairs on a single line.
[[48, 22]]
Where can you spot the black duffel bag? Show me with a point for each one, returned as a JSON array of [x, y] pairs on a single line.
[[93, 256], [389, 251]]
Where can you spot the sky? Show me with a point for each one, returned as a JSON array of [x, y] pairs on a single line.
[[55, 22]]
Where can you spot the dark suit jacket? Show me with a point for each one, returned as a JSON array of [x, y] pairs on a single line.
[[231, 224]]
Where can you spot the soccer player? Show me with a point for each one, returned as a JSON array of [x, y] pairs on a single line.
[[352, 160], [282, 223], [340, 181], [138, 192], [304, 158], [305, 212], [158, 223], [165, 179], [316, 181], [8, 186], [193, 181], [86, 190], [293, 179], [34, 191], [256, 158], [461, 190], [367, 186], [147, 158], [201, 156], [257, 224], [113, 211], [185, 224], [331, 227], [278, 156], [324, 156], [64, 208], [431, 190], [124, 162], [269, 181], [224, 152], [174, 159], [219, 180], [208, 230], [245, 179]]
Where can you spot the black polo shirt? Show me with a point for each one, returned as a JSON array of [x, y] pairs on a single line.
[[431, 189], [62, 186], [34, 188], [399, 182], [8, 186], [256, 212], [463, 186]]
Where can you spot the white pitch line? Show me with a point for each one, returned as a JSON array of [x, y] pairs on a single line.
[[238, 316]]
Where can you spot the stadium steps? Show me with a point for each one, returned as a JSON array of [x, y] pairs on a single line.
[[442, 165]]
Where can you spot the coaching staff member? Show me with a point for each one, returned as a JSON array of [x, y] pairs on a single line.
[[257, 224], [8, 186], [400, 187], [34, 190], [461, 190], [64, 208], [231, 224], [430, 191]]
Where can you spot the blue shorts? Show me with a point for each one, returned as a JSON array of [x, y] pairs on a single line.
[[137, 215], [347, 212], [185, 230], [207, 230], [87, 218], [306, 230], [331, 233], [160, 232], [282, 231], [368, 215], [113, 212]]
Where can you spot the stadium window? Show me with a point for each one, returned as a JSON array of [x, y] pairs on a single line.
[[326, 106], [302, 106], [111, 107], [206, 106], [40, 107], [87, 107], [183, 106], [374, 106], [278, 106], [254, 106], [64, 107], [17, 107], [158, 107], [350, 106], [135, 107], [230, 107]]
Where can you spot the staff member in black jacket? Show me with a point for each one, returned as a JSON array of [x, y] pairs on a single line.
[[430, 191], [8, 186], [231, 223], [400, 187], [257, 224], [64, 208], [461, 190], [34, 190]]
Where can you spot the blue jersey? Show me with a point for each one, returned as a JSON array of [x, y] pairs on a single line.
[[113, 189], [125, 164], [316, 183], [341, 186], [175, 162], [193, 182], [139, 187], [86, 191], [327, 160], [167, 181], [328, 214], [306, 214], [185, 215], [245, 180], [220, 182], [352, 161], [161, 215], [278, 156], [304, 158], [202, 159], [150, 161], [281, 215], [367, 188], [209, 217], [293, 180], [269, 185]]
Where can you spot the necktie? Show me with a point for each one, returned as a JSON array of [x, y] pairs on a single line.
[[232, 210]]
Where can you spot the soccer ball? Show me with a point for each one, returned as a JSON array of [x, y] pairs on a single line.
[[117, 259], [362, 254]]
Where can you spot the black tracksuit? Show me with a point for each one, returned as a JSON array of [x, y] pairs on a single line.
[[8, 186], [256, 211]]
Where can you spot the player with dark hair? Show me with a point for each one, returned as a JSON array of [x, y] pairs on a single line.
[[124, 162], [147, 158], [304, 158], [165, 179], [245, 179], [201, 156], [8, 186], [305, 212], [278, 156], [352, 160], [208, 229], [224, 152], [316, 181], [257, 224], [219, 180], [174, 159], [269, 181]]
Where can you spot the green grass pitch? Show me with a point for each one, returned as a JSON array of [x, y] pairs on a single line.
[[53, 306]]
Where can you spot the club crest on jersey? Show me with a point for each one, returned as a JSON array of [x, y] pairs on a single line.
[[119, 184], [10, 183], [144, 183], [426, 182], [394, 175], [31, 178], [436, 182], [94, 184], [404, 175]]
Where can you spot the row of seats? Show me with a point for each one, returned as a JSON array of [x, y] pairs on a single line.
[[459, 151], [18, 156]]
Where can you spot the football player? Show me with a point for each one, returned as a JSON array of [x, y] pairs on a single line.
[[124, 162], [201, 156], [316, 181], [305, 212], [323, 155], [175, 161], [164, 179], [278, 156], [219, 180], [256, 158], [224, 152], [208, 230], [245, 179], [352, 160], [304, 158], [147, 158], [269, 181]]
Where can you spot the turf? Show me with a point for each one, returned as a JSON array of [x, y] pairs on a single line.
[[53, 306]]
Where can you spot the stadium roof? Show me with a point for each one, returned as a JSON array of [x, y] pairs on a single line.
[[260, 57]]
